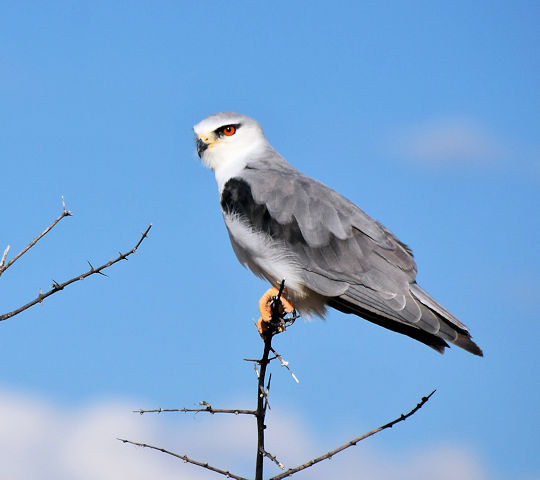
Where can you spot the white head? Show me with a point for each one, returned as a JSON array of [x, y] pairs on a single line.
[[226, 140]]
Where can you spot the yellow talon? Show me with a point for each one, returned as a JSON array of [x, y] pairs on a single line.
[[265, 306]]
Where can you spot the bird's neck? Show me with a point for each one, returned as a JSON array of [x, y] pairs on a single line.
[[224, 171]]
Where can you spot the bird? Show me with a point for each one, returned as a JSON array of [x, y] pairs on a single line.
[[287, 227]]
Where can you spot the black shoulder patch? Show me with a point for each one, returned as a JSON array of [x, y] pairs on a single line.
[[237, 199]]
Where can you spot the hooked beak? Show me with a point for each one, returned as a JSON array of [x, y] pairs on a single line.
[[201, 147]]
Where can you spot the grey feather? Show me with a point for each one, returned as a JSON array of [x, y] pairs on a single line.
[[348, 258]]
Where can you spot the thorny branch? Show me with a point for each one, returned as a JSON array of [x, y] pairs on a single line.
[[4, 266], [285, 364], [186, 459], [56, 287], [207, 408], [278, 324], [274, 459], [329, 455], [261, 408], [4, 256]]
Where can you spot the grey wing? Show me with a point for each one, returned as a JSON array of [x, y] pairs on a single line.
[[351, 259]]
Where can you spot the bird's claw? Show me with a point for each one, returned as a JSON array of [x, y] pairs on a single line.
[[274, 308]]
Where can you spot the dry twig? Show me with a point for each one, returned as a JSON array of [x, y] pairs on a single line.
[[278, 324], [4, 256], [207, 408], [274, 459], [4, 266], [56, 287], [327, 456], [261, 408], [285, 364], [186, 459]]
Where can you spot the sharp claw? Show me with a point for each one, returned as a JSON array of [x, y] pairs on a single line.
[[267, 304], [287, 306]]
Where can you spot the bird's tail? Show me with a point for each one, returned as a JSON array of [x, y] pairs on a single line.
[[431, 324], [463, 339]]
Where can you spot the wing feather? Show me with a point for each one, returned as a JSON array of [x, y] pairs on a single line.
[[348, 257]]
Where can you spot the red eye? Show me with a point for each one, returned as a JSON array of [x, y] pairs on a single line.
[[229, 130]]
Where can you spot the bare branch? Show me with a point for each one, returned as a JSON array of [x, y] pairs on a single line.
[[274, 459], [277, 324], [207, 408], [3, 261], [327, 456], [3, 268], [262, 403], [56, 287], [186, 459], [284, 364], [266, 393]]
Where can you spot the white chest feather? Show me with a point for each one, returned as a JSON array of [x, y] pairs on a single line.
[[264, 256], [270, 260]]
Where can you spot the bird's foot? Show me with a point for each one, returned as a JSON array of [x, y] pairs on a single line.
[[274, 307]]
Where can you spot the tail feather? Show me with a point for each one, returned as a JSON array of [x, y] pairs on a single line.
[[434, 326], [463, 339], [347, 306]]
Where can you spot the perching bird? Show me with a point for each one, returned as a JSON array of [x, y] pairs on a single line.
[[284, 225]]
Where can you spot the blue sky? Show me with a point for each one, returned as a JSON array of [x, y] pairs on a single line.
[[426, 115]]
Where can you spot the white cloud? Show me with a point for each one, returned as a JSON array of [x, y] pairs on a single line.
[[448, 141], [41, 441]]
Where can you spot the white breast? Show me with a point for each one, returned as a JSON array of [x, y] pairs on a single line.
[[269, 259]]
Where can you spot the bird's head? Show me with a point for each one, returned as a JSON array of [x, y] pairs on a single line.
[[227, 138]]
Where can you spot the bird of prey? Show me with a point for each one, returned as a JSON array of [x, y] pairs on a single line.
[[286, 226]]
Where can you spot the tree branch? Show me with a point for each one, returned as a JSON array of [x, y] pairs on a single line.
[[186, 459], [4, 256], [261, 408], [4, 266], [285, 364], [278, 323], [56, 287], [327, 456], [274, 459], [207, 408]]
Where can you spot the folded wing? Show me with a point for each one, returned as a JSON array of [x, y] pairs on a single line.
[[347, 257]]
